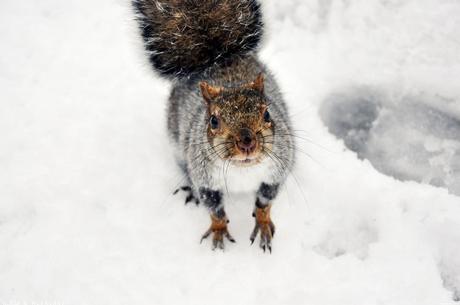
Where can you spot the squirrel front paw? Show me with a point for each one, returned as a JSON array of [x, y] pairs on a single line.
[[219, 231], [190, 194], [266, 227]]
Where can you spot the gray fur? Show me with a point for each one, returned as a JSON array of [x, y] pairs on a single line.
[[178, 36], [187, 123]]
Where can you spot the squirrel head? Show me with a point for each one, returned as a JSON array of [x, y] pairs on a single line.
[[239, 127]]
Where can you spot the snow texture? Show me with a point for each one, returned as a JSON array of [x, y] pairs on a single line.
[[87, 214]]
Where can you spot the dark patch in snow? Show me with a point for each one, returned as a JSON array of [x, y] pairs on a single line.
[[407, 137]]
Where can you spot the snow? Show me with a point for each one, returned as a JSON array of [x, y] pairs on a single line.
[[402, 135], [87, 214]]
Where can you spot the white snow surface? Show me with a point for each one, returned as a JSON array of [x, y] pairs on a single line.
[[87, 214]]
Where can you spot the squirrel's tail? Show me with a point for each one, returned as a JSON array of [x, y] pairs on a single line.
[[184, 37]]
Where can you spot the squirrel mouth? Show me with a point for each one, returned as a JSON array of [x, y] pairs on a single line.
[[239, 155], [247, 161]]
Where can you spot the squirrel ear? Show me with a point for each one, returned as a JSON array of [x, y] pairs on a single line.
[[258, 83], [209, 92]]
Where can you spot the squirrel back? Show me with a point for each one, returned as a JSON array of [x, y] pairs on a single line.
[[184, 38]]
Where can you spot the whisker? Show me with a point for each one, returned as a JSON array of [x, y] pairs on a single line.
[[297, 149], [286, 167], [285, 135]]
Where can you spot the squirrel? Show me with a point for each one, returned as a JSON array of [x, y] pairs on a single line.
[[225, 108]]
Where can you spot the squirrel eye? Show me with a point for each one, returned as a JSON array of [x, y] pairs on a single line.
[[214, 122], [267, 116]]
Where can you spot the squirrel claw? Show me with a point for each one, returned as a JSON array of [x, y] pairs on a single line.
[[266, 228], [266, 239], [205, 235], [219, 231], [230, 238], [190, 196], [218, 244]]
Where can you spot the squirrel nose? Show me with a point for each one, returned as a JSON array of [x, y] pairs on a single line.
[[246, 142]]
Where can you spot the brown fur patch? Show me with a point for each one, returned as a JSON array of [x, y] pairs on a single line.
[[263, 215], [209, 92], [236, 109], [258, 83], [218, 224]]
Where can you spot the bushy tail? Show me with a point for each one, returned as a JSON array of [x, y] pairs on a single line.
[[184, 37]]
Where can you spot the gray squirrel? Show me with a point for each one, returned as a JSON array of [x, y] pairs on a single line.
[[225, 109]]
